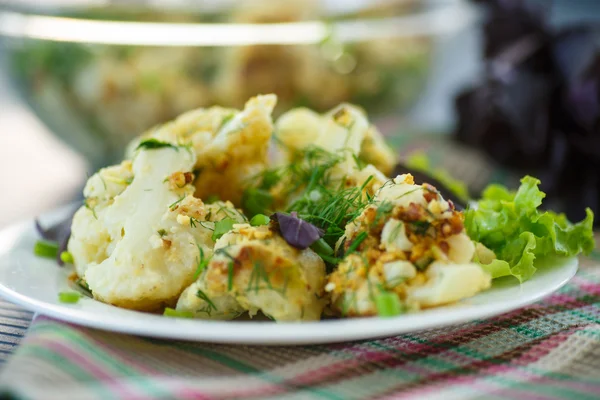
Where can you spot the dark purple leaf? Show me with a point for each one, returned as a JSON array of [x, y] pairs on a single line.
[[297, 232], [537, 110], [59, 233]]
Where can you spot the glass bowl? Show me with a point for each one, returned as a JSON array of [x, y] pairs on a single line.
[[101, 73]]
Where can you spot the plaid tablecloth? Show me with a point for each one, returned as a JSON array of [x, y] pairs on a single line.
[[550, 350]]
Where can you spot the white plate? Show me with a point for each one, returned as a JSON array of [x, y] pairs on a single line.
[[35, 283]]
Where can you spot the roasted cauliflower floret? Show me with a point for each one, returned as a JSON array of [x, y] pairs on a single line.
[[254, 269], [230, 145], [410, 242], [149, 234], [343, 130], [90, 239]]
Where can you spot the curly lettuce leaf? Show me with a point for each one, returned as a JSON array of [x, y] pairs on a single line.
[[511, 225]]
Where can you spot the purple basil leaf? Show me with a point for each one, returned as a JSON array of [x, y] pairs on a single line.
[[297, 232], [59, 233], [573, 50]]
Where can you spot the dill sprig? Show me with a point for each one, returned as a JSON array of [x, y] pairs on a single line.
[[318, 198], [308, 169], [210, 305], [332, 209]]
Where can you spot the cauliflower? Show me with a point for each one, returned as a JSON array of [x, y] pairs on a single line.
[[343, 130], [229, 145], [410, 242], [253, 269], [318, 158], [138, 240]]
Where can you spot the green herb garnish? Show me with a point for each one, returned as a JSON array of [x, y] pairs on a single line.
[[69, 297], [260, 219], [152, 144], [256, 201], [226, 119], [44, 248], [211, 306], [201, 261], [388, 304], [322, 248], [222, 227], [171, 312], [230, 276], [172, 206], [357, 242], [66, 257]]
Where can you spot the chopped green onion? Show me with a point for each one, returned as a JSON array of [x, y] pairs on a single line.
[[322, 248], [330, 260], [46, 249], [388, 304], [260, 219], [256, 201], [222, 227], [356, 242], [171, 312], [66, 257], [69, 297]]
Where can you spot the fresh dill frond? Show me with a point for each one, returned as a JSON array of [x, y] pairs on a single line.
[[211, 306], [87, 205], [195, 221], [384, 208], [230, 266], [202, 262], [172, 206], [225, 120], [332, 210], [318, 198]]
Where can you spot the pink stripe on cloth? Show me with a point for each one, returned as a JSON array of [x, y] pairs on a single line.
[[478, 380], [101, 343], [588, 287], [98, 373], [186, 393]]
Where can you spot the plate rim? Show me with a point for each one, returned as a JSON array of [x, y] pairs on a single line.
[[254, 332]]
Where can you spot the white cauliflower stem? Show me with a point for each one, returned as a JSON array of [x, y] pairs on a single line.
[[149, 234]]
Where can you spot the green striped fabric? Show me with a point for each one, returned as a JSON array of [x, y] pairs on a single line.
[[550, 350]]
